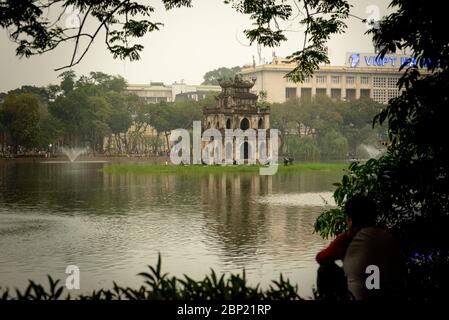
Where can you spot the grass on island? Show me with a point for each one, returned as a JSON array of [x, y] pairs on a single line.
[[197, 169]]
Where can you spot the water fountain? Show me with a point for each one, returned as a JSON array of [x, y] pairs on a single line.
[[372, 151], [73, 153]]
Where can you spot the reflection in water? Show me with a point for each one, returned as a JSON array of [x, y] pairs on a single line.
[[113, 225]]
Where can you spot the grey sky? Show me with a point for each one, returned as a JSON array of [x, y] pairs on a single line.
[[192, 42]]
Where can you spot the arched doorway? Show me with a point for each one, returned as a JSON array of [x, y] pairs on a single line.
[[260, 124], [246, 149], [244, 124], [228, 124]]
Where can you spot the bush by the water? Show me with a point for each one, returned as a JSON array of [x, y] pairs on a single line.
[[160, 286]]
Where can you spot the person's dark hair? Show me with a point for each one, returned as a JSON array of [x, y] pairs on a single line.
[[361, 210]]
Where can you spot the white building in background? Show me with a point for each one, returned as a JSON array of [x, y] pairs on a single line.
[[155, 92], [363, 75]]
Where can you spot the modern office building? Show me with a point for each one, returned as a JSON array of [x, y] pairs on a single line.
[[363, 75]]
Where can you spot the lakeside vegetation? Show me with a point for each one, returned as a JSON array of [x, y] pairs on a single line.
[[97, 111], [198, 169], [160, 286]]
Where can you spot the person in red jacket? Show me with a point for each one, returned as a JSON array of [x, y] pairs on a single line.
[[361, 245]]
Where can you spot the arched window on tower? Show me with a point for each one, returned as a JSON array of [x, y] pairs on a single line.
[[228, 124], [244, 124], [260, 124]]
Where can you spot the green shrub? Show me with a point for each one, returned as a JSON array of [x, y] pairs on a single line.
[[160, 286]]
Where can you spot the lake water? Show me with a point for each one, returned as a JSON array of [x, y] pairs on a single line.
[[112, 225]]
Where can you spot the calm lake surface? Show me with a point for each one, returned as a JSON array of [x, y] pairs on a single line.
[[113, 225]]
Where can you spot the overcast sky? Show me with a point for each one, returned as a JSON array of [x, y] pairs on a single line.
[[192, 42]]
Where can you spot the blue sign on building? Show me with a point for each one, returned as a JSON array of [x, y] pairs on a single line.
[[355, 60]]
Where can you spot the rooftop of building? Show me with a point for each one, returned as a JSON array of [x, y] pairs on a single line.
[[149, 86], [326, 68], [285, 65], [161, 85]]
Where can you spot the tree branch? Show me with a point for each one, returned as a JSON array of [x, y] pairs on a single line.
[[102, 24], [306, 8], [79, 32]]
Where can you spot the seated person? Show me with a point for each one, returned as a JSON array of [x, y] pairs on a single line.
[[362, 245]]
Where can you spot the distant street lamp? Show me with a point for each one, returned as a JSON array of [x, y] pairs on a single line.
[[49, 150]]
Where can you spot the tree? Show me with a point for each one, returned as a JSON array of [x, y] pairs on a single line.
[[120, 120], [325, 128], [303, 148], [333, 145], [42, 93], [212, 77], [410, 183], [67, 109], [165, 117], [282, 116], [318, 115], [94, 125], [20, 116], [68, 81], [107, 82], [357, 121], [50, 128], [91, 108], [184, 113], [160, 119]]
